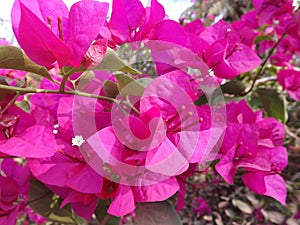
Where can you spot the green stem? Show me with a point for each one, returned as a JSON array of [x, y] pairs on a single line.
[[79, 93], [63, 83]]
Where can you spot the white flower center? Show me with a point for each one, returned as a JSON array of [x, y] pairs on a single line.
[[77, 141]]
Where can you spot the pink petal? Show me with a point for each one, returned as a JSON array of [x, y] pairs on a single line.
[[127, 15], [156, 192], [290, 79], [16, 172], [53, 10], [276, 188], [38, 41], [195, 27], [207, 141], [46, 169], [123, 202], [84, 179], [161, 160], [279, 157], [170, 31], [85, 21], [83, 204], [215, 32], [155, 14], [243, 59], [255, 182], [226, 167], [33, 138]]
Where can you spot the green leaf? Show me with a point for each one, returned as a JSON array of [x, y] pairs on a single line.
[[260, 38], [112, 62], [103, 217], [129, 86], [154, 213], [273, 102], [47, 204], [233, 87], [12, 57], [83, 80], [110, 89]]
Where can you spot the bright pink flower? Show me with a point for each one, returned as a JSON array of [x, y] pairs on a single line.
[[290, 81], [271, 184], [141, 150], [253, 144], [268, 10], [26, 135], [201, 206], [130, 21], [285, 51], [227, 55], [48, 32], [75, 172], [226, 51], [78, 183], [127, 16], [13, 185]]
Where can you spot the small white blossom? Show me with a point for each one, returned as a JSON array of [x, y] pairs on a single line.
[[77, 141]]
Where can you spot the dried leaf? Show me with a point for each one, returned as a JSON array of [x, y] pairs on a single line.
[[273, 216], [243, 206], [156, 213]]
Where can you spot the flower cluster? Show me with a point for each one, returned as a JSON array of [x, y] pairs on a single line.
[[99, 133]]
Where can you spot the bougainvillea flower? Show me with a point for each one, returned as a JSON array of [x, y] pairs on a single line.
[[130, 21], [267, 10], [139, 151], [48, 32], [75, 172], [77, 183], [127, 16], [290, 81], [252, 143], [201, 206], [269, 184], [220, 46], [13, 185], [26, 135], [227, 55]]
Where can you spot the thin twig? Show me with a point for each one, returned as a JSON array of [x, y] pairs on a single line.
[[263, 65], [78, 93], [11, 102]]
